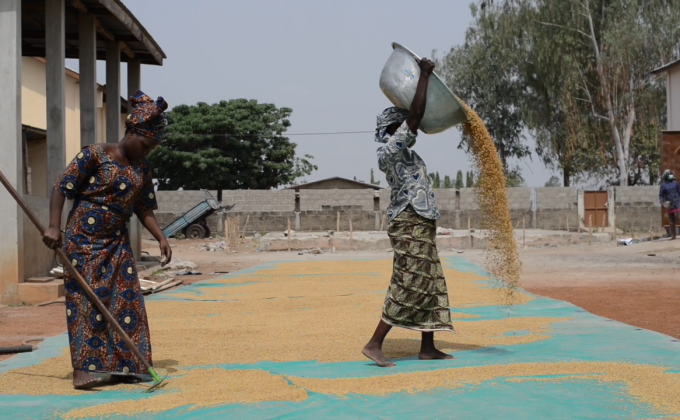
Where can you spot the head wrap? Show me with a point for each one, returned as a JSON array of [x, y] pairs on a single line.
[[388, 117], [668, 175], [147, 116]]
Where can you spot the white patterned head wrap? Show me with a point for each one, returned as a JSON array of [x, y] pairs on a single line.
[[388, 117]]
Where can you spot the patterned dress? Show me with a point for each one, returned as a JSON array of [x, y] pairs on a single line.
[[417, 298], [106, 194], [406, 174]]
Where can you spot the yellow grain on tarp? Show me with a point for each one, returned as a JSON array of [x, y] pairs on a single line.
[[208, 388], [54, 376], [502, 258], [203, 388], [646, 383], [325, 313]]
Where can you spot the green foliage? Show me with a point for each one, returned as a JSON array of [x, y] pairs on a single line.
[[235, 144], [576, 75], [447, 182], [469, 179], [373, 181], [553, 182], [459, 180], [436, 181], [514, 178], [483, 73]]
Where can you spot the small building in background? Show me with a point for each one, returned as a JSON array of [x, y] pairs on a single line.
[[335, 183]]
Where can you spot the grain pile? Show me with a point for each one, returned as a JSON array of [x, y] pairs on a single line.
[[203, 388], [502, 258], [327, 303], [215, 387], [647, 384]]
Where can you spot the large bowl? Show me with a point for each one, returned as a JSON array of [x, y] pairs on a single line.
[[398, 81]]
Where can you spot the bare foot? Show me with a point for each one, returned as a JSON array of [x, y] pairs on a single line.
[[83, 380], [377, 356], [434, 355]]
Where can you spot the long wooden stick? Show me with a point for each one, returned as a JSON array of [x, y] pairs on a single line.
[[382, 222], [79, 279]]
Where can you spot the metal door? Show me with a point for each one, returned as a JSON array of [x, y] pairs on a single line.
[[596, 209]]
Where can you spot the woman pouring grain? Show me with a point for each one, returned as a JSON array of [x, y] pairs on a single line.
[[417, 298]]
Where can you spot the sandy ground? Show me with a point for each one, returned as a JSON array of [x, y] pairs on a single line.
[[638, 285]]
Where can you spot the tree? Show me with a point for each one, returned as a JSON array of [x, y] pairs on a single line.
[[469, 179], [459, 180], [621, 41], [553, 182], [591, 98], [434, 177], [373, 181], [447, 182], [576, 75], [483, 72], [235, 144], [514, 179]]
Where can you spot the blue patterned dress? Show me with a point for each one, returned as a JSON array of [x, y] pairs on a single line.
[[106, 194]]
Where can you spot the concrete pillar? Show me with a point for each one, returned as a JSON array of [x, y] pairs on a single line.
[[12, 226], [457, 209], [134, 78], [378, 215], [55, 45], [297, 221], [113, 134], [611, 209], [581, 203], [88, 79]]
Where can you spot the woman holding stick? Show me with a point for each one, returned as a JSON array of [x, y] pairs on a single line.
[[109, 183], [417, 298]]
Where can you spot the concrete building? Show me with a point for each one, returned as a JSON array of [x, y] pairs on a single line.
[[88, 30], [672, 73], [670, 138], [335, 183], [34, 121]]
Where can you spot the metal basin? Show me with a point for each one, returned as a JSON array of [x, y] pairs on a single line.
[[398, 82]]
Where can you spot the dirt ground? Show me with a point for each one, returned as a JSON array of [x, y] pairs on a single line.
[[638, 285]]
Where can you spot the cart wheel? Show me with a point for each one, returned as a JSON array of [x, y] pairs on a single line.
[[195, 232]]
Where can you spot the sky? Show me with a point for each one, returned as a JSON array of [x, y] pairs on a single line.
[[321, 58]]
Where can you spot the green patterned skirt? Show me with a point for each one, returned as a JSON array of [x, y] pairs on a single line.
[[417, 298]]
